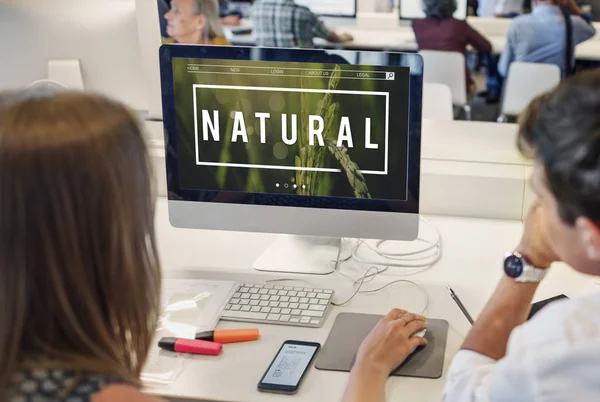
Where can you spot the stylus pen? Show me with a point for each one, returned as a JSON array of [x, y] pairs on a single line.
[[459, 303]]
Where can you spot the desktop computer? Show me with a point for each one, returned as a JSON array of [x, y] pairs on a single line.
[[295, 142], [413, 9], [91, 45]]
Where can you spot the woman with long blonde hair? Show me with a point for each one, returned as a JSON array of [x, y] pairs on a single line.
[[79, 272]]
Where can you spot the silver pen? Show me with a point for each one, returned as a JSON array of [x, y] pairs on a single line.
[[459, 303]]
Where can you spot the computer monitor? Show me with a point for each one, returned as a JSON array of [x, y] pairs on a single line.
[[293, 141], [331, 8], [101, 35], [413, 9]]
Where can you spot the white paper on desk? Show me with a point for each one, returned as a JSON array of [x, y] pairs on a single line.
[[188, 306], [192, 305]]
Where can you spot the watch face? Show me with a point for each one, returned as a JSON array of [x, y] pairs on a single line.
[[513, 266]]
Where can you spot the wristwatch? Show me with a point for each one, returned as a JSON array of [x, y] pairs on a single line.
[[516, 267]]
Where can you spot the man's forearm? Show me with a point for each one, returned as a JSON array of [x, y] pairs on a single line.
[[365, 386], [507, 309]]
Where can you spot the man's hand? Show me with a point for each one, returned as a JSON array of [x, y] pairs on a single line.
[[534, 245], [391, 342], [232, 20], [570, 5], [384, 349], [346, 37]]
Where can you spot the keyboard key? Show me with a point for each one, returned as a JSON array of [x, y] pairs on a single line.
[[296, 312], [228, 307], [263, 303], [268, 287], [274, 317], [284, 318], [285, 299], [265, 297], [276, 310], [275, 298], [305, 320], [302, 294], [309, 313], [286, 311], [304, 300], [322, 296], [292, 293], [255, 309], [244, 315], [295, 319], [282, 293], [237, 296], [246, 296], [253, 291], [234, 301], [313, 301], [246, 308], [288, 288], [311, 295], [317, 307], [294, 300], [299, 289], [314, 321], [244, 290], [236, 307], [318, 290], [254, 302], [279, 287], [244, 302], [273, 304], [263, 291], [272, 292], [259, 286], [303, 306], [324, 302], [294, 305], [265, 310], [329, 291], [284, 304], [255, 297]]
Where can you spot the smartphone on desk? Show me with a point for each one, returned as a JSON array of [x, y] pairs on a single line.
[[286, 371]]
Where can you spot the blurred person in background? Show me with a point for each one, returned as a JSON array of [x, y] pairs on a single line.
[[195, 22], [541, 37], [79, 272], [441, 31], [228, 13], [283, 23]]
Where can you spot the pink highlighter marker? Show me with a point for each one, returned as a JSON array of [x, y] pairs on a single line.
[[197, 347]]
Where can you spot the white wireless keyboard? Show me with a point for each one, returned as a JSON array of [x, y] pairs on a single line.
[[280, 305]]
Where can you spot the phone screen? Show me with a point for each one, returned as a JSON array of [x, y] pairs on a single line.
[[290, 364]]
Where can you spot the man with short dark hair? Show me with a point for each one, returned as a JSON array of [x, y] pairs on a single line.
[[283, 23], [540, 37], [555, 356]]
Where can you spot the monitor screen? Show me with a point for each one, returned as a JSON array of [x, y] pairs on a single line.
[[413, 9], [320, 133], [333, 8]]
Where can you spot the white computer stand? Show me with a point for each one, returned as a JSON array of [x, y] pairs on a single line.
[[301, 255]]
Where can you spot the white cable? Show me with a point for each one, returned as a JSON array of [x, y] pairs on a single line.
[[50, 83]]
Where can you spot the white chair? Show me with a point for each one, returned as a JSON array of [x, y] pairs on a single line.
[[526, 81], [437, 102], [448, 68]]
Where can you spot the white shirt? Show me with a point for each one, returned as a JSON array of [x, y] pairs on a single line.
[[555, 357], [492, 8]]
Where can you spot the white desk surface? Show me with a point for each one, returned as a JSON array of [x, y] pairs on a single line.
[[470, 141], [372, 31], [471, 265]]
